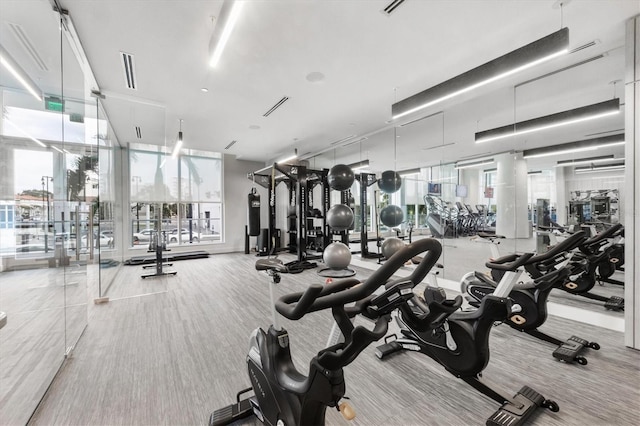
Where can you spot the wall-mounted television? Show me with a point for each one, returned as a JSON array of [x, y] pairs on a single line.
[[461, 191], [435, 188]]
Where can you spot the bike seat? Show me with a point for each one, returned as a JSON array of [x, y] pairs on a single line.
[[271, 265], [484, 278]]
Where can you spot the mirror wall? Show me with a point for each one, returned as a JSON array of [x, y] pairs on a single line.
[[456, 187]]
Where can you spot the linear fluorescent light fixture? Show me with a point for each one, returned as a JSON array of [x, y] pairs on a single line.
[[410, 172], [604, 168], [289, 158], [474, 164], [542, 50], [578, 146], [16, 70], [577, 115], [359, 165], [19, 129], [589, 160], [227, 19]]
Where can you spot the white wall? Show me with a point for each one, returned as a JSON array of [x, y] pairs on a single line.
[[236, 189]]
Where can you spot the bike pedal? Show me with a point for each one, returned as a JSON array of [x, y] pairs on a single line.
[[614, 303], [387, 349], [231, 413], [518, 410]]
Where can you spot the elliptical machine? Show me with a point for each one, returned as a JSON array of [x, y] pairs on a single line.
[[459, 341], [531, 296], [282, 395]]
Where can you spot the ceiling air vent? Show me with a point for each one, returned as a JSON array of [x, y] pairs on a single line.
[[339, 141], [230, 144], [584, 46], [138, 132], [276, 106], [391, 7], [129, 70], [28, 47]]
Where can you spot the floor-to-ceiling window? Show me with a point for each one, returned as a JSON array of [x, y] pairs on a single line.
[[178, 201]]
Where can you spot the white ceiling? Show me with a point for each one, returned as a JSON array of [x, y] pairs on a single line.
[[369, 61]]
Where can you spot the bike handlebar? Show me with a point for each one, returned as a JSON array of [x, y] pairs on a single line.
[[510, 262], [570, 243], [607, 233], [316, 297]]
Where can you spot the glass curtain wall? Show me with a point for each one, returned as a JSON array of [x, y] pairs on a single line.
[[109, 235], [48, 168]]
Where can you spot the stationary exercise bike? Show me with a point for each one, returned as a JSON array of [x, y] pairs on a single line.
[[282, 395], [531, 296], [594, 253], [459, 341], [608, 247]]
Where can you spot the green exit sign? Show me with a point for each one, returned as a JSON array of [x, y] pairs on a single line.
[[53, 104]]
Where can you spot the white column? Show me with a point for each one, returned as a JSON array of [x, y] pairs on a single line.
[[632, 187], [511, 196], [471, 178], [562, 204]]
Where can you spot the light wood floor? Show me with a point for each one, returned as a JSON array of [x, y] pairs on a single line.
[[46, 313], [172, 358]]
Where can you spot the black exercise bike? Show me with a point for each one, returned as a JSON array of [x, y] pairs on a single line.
[[592, 258], [459, 340], [282, 395], [531, 296]]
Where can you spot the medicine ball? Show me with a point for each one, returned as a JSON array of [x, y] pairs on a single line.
[[390, 246], [337, 256], [391, 216], [340, 177], [340, 217], [389, 181]]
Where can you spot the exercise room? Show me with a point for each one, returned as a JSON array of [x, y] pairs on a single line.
[[384, 212]]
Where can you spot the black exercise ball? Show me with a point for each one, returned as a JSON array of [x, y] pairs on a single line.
[[340, 177], [391, 216], [337, 256], [340, 217], [389, 181], [390, 246]]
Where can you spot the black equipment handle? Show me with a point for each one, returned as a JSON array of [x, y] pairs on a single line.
[[503, 264], [568, 244], [295, 305], [554, 278], [607, 233], [343, 354], [510, 262]]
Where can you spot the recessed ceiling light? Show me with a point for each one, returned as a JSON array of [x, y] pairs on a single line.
[[204, 89], [315, 77], [254, 127]]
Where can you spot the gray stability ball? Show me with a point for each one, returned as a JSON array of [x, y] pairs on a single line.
[[337, 256], [340, 217], [391, 216], [389, 182], [390, 246], [340, 177]]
